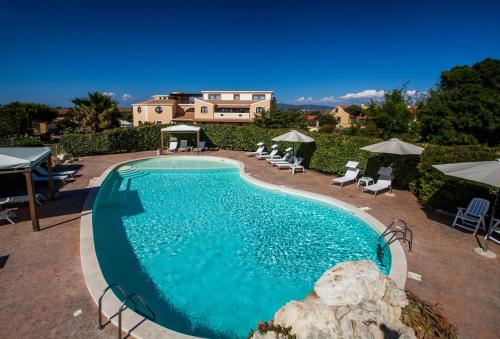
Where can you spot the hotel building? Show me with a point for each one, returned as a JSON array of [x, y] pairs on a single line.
[[216, 107]]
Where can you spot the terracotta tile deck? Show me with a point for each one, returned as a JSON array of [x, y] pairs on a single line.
[[41, 283]]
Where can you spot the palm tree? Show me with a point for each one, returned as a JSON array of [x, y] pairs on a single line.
[[96, 112]]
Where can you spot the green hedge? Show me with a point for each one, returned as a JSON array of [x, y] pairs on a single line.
[[328, 154], [21, 142], [438, 191]]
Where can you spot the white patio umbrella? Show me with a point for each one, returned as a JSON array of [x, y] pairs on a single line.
[[294, 136], [394, 146], [485, 172]]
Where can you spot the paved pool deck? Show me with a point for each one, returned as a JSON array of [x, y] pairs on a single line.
[[42, 284]]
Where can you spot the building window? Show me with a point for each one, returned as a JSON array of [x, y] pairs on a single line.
[[139, 109], [236, 97], [204, 109], [214, 96], [258, 96], [259, 110], [158, 109]]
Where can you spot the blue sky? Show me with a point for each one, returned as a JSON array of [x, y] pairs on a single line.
[[53, 51]]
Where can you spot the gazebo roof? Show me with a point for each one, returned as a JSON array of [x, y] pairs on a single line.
[[181, 128], [22, 157]]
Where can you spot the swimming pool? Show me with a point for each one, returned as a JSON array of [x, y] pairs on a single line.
[[213, 253]]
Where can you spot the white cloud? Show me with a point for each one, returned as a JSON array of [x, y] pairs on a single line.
[[109, 94], [301, 99], [366, 94], [329, 99], [126, 96], [411, 93]]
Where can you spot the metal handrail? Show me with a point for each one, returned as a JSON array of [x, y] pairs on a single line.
[[122, 308], [404, 231], [121, 289]]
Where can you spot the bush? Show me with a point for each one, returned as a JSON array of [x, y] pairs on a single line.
[[438, 191], [328, 154], [21, 142]]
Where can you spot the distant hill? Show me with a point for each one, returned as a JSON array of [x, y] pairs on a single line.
[[308, 107]]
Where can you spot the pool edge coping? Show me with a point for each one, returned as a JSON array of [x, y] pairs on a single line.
[[140, 327]]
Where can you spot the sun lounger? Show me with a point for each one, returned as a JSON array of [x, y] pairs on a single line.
[[259, 151], [350, 175], [383, 183], [285, 158], [172, 147], [272, 155], [297, 167], [37, 178], [201, 146], [473, 217], [495, 228], [183, 147], [43, 172], [7, 215], [289, 165], [21, 199]]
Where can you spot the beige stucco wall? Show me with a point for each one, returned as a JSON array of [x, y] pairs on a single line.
[[197, 110], [344, 118], [253, 107], [149, 115]]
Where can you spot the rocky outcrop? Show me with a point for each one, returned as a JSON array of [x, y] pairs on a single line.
[[351, 300]]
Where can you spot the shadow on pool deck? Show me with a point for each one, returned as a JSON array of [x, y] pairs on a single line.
[[42, 285]]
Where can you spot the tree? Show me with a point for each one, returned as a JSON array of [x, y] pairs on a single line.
[[464, 108], [281, 118], [392, 116], [355, 110], [17, 118], [95, 112]]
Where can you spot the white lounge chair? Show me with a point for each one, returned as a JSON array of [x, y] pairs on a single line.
[[42, 171], [473, 217], [350, 175], [297, 167], [494, 228], [289, 165], [172, 147], [22, 199], [37, 178], [183, 147], [272, 155], [259, 151], [7, 215], [286, 158], [383, 183]]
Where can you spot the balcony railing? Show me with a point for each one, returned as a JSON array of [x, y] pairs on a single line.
[[231, 115]]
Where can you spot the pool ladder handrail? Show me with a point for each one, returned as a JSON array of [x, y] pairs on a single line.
[[397, 230], [127, 297]]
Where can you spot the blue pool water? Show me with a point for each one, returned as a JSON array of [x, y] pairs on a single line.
[[212, 253]]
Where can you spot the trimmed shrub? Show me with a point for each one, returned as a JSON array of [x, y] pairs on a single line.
[[21, 142], [438, 191]]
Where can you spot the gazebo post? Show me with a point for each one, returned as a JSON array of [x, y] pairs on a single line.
[[50, 180], [31, 198], [161, 138], [198, 141]]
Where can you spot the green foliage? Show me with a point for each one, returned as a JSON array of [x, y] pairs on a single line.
[[354, 109], [17, 118], [426, 320], [281, 118], [95, 113], [21, 142], [392, 116], [438, 191], [465, 106], [279, 331]]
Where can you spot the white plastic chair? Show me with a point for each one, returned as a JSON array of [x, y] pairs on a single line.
[[7, 215], [183, 147], [351, 174], [172, 147], [383, 183]]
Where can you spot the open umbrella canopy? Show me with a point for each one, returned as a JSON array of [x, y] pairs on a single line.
[[486, 172], [294, 136], [22, 157], [394, 146]]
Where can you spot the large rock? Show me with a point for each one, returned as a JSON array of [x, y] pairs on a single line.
[[351, 300]]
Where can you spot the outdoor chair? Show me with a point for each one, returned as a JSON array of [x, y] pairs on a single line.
[[259, 151], [37, 178], [21, 199], [383, 183], [350, 175], [272, 155], [473, 217], [172, 147], [7, 215], [183, 147], [43, 172]]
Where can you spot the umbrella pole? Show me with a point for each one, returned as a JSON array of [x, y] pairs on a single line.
[[486, 243]]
